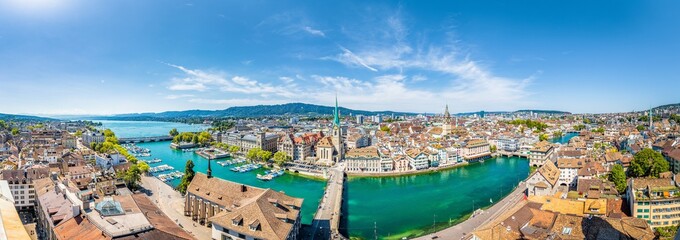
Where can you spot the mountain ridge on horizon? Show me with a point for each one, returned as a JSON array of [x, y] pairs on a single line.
[[292, 109]]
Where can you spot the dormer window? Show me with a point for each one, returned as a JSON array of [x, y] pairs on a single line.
[[237, 221], [254, 226]]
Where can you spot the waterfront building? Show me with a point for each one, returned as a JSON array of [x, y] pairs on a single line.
[[655, 200], [331, 149], [386, 162], [417, 159], [402, 163], [569, 171], [476, 150], [507, 144], [21, 183], [543, 181], [237, 211], [106, 161], [299, 148], [540, 153], [363, 160], [259, 139], [92, 137]]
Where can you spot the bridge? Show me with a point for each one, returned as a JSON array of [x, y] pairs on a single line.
[[512, 154], [145, 139], [326, 223]]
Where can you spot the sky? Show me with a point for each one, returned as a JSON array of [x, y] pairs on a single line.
[[125, 56]]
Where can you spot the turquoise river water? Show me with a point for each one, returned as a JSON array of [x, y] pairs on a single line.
[[392, 207]]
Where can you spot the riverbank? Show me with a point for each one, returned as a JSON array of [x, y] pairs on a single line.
[[407, 173]]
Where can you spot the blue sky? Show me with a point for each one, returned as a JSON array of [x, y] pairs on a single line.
[[103, 57]]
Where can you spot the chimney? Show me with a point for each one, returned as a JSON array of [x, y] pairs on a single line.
[[244, 188]]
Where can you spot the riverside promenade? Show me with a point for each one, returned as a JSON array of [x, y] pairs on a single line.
[[326, 221], [463, 229], [171, 203]]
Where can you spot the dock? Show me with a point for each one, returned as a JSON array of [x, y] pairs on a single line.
[[326, 223], [144, 139]]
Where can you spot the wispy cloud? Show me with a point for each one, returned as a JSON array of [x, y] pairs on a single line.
[[313, 31], [237, 101], [347, 57], [178, 96], [200, 80]]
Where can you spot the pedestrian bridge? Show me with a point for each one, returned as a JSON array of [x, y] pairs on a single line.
[[145, 139]]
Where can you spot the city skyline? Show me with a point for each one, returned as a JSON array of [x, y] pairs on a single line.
[[78, 57]]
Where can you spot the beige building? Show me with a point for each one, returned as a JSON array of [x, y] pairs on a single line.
[[237, 211], [543, 182], [656, 200], [475, 150], [262, 140], [363, 160], [540, 153]]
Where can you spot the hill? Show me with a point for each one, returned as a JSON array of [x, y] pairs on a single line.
[[14, 117], [288, 109]]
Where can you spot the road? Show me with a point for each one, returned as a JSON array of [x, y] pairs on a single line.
[[327, 215], [171, 203], [463, 229]]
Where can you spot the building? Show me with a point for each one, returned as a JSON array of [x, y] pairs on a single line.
[[360, 119], [540, 153], [237, 211], [357, 140], [476, 150], [363, 160], [21, 183], [259, 139], [417, 159], [109, 160], [655, 200], [507, 144], [92, 137], [331, 149], [569, 170], [447, 129], [543, 182], [299, 148], [11, 226]]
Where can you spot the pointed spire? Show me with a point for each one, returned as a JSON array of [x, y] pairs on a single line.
[[209, 172], [336, 118]]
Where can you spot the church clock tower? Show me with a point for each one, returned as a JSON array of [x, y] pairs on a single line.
[[337, 134]]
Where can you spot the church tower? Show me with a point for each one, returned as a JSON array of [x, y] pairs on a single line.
[[337, 133], [446, 126]]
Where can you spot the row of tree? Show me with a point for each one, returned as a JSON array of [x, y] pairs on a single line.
[[202, 138], [536, 125], [110, 145]]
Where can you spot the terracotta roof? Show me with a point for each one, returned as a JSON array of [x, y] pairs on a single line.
[[160, 221], [79, 228], [550, 172], [367, 152], [570, 163]]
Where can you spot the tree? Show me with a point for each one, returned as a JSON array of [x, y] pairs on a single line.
[[557, 134], [579, 127], [143, 167], [234, 149], [174, 132], [15, 131], [132, 176], [204, 137], [618, 177], [79, 133], [280, 158], [493, 148], [252, 154], [648, 162], [543, 137], [194, 139], [3, 125], [385, 128], [264, 155], [187, 178], [640, 128]]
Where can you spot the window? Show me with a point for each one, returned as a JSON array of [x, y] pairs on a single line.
[[646, 210], [566, 230]]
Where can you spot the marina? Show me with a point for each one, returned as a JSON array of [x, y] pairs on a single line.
[[231, 162], [246, 168], [136, 150], [269, 175], [161, 168]]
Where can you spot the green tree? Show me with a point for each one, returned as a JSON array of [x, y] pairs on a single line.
[[385, 128], [618, 177], [234, 149], [132, 176], [253, 154], [280, 158], [493, 148], [557, 134], [15, 131], [174, 132], [204, 137], [640, 128], [3, 125], [187, 178], [579, 127], [264, 155], [79, 133], [194, 139], [648, 162], [109, 133], [543, 137], [143, 167]]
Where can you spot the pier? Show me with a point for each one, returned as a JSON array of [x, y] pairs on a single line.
[[144, 139], [326, 223]]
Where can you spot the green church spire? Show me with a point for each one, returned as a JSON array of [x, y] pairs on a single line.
[[336, 118]]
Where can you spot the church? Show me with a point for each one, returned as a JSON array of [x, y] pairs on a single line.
[[331, 149], [447, 129]]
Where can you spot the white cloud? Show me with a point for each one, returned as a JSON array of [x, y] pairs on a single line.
[[178, 96], [347, 57], [199, 80], [237, 101], [312, 31]]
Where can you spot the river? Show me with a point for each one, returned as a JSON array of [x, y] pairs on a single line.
[[392, 207]]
